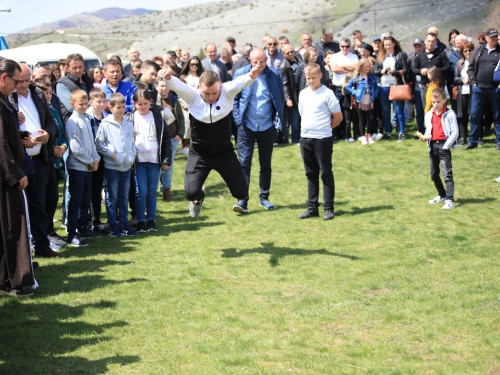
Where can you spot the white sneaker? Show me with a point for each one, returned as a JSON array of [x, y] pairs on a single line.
[[195, 209], [55, 247], [350, 140], [438, 199], [448, 205], [497, 179], [363, 140], [379, 136], [185, 151]]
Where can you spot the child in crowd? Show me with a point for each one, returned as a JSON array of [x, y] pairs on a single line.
[[174, 117], [96, 113], [364, 88], [441, 133], [349, 111], [152, 142], [317, 104], [435, 80], [82, 161], [115, 142]]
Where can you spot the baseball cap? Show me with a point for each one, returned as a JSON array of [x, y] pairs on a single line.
[[418, 41], [231, 39], [377, 38], [491, 32]]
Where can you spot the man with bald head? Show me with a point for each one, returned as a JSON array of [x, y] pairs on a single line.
[[434, 30], [134, 56], [39, 122], [257, 112], [212, 64], [306, 41]]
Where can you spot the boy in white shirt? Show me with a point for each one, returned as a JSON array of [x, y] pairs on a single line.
[[320, 112]]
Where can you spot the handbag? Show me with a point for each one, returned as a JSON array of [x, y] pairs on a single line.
[[400, 92], [454, 93]]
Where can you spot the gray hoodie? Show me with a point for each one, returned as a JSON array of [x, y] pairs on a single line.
[[82, 149], [113, 138]]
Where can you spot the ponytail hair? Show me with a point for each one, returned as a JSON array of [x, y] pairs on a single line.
[[141, 94]]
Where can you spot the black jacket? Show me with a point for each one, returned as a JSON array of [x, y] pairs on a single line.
[[72, 83], [290, 88], [162, 133], [401, 64], [474, 66], [46, 120], [435, 58]]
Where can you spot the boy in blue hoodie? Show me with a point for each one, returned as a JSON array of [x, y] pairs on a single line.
[[441, 133], [115, 142], [82, 161]]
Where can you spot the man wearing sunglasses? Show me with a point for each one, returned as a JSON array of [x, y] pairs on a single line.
[[274, 58]]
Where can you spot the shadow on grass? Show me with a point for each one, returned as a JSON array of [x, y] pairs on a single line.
[[35, 338], [364, 210], [466, 201], [64, 277], [277, 253]]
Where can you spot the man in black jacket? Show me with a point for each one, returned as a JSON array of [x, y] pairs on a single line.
[[431, 56], [482, 64], [39, 122], [292, 119]]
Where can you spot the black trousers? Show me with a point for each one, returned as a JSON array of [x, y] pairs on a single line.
[[317, 156], [366, 121], [36, 191], [97, 183], [463, 121], [51, 195], [199, 166], [438, 157]]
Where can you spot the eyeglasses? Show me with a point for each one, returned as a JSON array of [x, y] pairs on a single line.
[[345, 46], [272, 44], [16, 81]]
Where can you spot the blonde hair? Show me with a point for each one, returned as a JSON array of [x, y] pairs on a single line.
[[347, 78], [78, 95], [361, 64], [312, 68]]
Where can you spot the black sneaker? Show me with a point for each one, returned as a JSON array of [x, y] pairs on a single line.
[[141, 227], [328, 215], [56, 239], [88, 233], [386, 136], [152, 226], [401, 137], [309, 213], [77, 242]]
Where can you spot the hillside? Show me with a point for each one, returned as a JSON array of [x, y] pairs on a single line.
[[192, 27]]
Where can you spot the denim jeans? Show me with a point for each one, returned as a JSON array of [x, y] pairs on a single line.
[[479, 98], [399, 109], [246, 145], [317, 156], [438, 157], [146, 182], [79, 189], [166, 176], [292, 113], [117, 189]]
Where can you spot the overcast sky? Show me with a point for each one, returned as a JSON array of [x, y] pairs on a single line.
[[30, 13]]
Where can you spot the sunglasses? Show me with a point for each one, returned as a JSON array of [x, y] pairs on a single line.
[[16, 81], [467, 50], [194, 64], [272, 44], [345, 46]]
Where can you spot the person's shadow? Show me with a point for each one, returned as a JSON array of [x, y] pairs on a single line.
[[277, 253]]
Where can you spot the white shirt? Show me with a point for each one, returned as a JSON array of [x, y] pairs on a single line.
[[32, 123], [200, 109], [387, 79], [146, 141], [339, 59], [315, 108]]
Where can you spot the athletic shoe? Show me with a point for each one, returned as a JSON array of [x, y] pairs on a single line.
[[469, 146], [497, 179], [152, 226], [385, 136], [185, 151], [350, 140], [141, 227], [88, 233], [401, 137], [56, 239], [363, 140], [308, 213], [128, 232], [438, 199], [328, 215], [480, 142], [115, 233], [448, 205], [266, 204], [370, 141], [378, 137], [99, 228], [195, 209], [54, 247], [241, 207], [77, 242]]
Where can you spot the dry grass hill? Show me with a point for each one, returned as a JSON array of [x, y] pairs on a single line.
[[192, 27]]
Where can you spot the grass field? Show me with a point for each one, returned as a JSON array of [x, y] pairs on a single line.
[[393, 285]]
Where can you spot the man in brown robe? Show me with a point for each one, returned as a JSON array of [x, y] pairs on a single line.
[[16, 270]]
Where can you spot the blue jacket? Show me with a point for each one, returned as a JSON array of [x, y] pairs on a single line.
[[275, 86], [359, 91], [127, 89]]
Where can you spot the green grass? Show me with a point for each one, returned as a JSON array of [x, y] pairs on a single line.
[[393, 285]]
